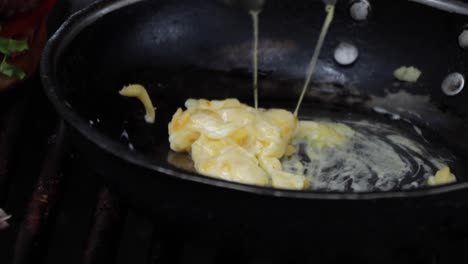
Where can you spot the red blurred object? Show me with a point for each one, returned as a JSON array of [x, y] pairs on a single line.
[[25, 21], [30, 24]]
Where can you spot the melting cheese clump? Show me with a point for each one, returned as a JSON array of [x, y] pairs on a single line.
[[442, 176], [407, 74], [235, 142], [322, 135]]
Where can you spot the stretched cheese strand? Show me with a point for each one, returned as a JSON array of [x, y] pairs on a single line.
[[330, 9], [254, 15]]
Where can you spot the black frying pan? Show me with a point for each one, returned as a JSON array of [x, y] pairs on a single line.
[[200, 48]]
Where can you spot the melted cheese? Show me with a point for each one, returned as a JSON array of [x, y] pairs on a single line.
[[407, 74], [442, 176], [235, 142], [324, 134], [232, 141], [139, 92]]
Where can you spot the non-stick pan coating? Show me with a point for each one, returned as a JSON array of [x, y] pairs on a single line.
[[182, 49]]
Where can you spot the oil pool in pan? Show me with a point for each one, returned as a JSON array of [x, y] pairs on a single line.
[[342, 153]]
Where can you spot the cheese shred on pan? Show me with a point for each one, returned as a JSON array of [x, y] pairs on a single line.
[[139, 92]]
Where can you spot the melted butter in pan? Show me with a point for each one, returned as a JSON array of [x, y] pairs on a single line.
[[363, 156]]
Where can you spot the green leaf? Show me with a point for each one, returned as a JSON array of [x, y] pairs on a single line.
[[11, 70], [9, 46]]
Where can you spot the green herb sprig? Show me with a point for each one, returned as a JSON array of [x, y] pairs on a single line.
[[7, 47]]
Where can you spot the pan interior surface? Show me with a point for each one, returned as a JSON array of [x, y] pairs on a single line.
[[177, 52], [388, 152]]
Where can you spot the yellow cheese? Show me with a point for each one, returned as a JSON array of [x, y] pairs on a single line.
[[442, 176], [139, 92], [324, 134], [407, 74], [235, 142]]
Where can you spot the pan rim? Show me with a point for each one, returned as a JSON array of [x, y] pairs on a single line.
[[85, 17]]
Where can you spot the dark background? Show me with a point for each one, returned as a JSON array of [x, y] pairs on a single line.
[[63, 9]]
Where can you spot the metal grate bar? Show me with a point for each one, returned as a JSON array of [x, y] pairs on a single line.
[[9, 129], [43, 200], [105, 231]]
